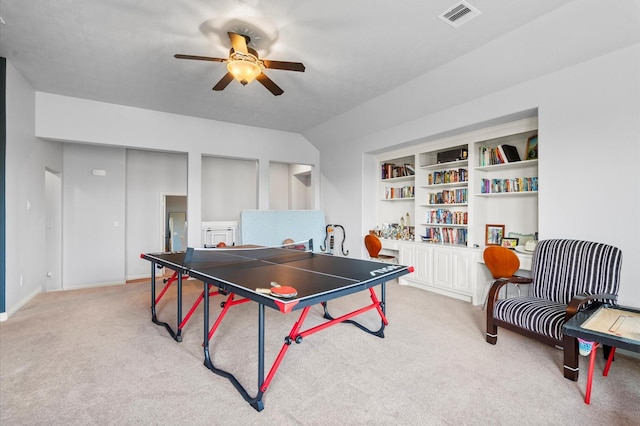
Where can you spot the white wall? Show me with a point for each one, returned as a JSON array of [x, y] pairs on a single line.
[[26, 161], [79, 120], [589, 129], [37, 122]]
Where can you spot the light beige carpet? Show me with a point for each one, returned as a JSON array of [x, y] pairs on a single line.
[[93, 357]]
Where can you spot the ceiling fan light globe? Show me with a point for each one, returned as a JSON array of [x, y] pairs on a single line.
[[244, 71]]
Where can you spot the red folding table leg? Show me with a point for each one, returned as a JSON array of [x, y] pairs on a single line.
[[592, 363], [166, 286]]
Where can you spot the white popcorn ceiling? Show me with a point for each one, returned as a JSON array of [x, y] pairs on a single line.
[[121, 51]]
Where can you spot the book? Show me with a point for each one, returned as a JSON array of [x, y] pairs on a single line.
[[510, 152], [501, 154]]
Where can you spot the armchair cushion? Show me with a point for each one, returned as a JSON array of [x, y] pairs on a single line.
[[538, 315]]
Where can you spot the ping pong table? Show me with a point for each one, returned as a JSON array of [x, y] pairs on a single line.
[[242, 274]]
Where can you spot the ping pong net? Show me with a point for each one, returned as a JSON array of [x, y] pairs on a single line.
[[198, 258]]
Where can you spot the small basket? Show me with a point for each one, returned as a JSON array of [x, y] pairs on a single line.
[[584, 347]]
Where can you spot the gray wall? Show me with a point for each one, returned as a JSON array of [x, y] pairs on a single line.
[[27, 157], [93, 212], [150, 175], [228, 186]]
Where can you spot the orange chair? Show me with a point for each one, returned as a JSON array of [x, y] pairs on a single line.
[[502, 263], [374, 245]]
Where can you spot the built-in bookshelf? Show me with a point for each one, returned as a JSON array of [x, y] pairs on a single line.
[[397, 179], [506, 185], [442, 211], [459, 185]]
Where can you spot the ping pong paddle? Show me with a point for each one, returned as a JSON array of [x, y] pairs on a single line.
[[284, 291]]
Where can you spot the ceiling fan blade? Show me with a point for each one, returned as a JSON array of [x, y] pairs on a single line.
[[269, 84], [224, 82], [238, 42], [288, 66], [199, 58]]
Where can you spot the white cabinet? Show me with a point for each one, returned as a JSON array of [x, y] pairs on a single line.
[[439, 268]]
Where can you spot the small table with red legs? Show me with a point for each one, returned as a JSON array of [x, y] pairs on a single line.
[[577, 327]]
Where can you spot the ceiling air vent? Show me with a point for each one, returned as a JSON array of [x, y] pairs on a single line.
[[459, 14]]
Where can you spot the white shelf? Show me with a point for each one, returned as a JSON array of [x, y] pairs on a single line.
[[445, 205], [446, 185], [507, 194], [398, 199], [507, 166], [399, 179], [446, 166], [445, 225]]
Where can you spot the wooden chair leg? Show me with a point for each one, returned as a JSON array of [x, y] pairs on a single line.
[[571, 366], [492, 331]]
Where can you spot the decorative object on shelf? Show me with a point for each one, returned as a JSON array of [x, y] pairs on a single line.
[[452, 155], [527, 248], [522, 238], [510, 243], [494, 235], [532, 148]]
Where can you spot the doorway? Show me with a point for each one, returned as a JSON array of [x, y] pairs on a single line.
[[174, 222], [53, 230]]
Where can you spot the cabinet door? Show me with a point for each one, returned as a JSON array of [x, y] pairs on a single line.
[[442, 268], [461, 261], [424, 264], [405, 257]]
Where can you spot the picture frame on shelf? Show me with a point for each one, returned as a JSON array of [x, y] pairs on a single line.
[[494, 235], [510, 243], [532, 148]]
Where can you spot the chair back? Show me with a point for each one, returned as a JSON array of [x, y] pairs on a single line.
[[373, 245], [501, 261], [563, 268]]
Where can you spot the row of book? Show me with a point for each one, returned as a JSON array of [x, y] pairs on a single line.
[[501, 154], [401, 192], [494, 186], [451, 196], [446, 235], [391, 170], [448, 176], [445, 216]]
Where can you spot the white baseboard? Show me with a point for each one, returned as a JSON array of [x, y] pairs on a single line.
[[5, 315]]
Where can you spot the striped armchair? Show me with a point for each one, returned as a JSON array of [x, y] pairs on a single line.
[[566, 276]]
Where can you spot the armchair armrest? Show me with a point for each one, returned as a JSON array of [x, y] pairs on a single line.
[[500, 282], [581, 299]]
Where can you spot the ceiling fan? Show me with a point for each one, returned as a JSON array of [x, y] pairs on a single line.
[[244, 65]]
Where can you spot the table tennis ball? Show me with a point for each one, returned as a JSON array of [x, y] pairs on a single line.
[[221, 244]]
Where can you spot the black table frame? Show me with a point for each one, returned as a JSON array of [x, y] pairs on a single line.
[[386, 273]]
